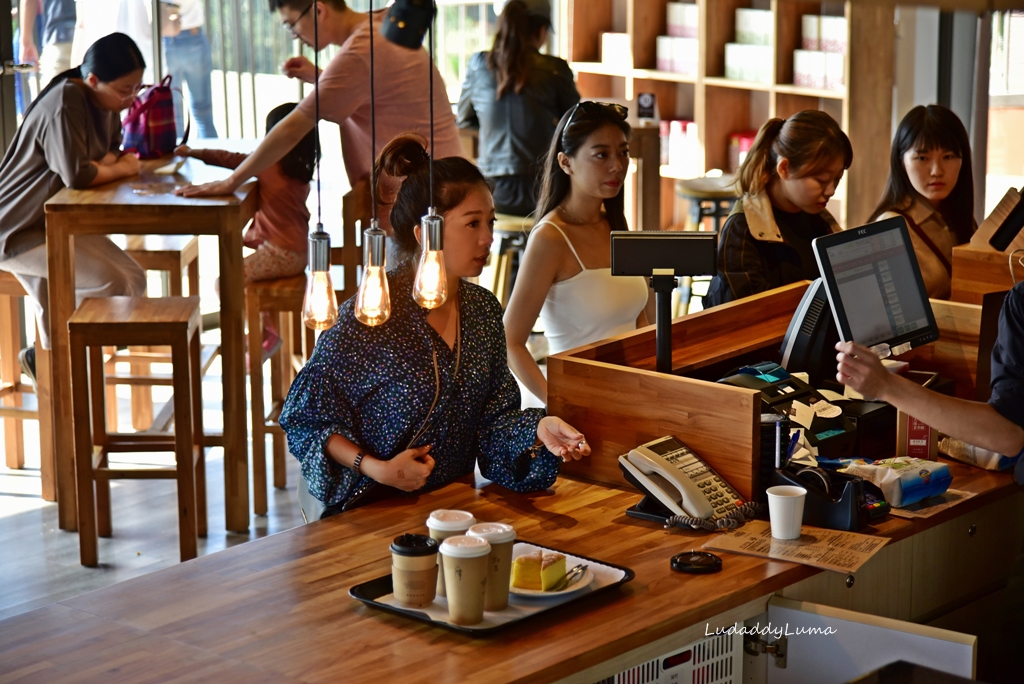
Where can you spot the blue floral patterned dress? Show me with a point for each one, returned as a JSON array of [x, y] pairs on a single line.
[[375, 387]]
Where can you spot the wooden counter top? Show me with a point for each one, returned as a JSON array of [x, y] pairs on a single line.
[[277, 609]]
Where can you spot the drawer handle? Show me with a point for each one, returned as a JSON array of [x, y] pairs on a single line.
[[849, 581], [971, 530]]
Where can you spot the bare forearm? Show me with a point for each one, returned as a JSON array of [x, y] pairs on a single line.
[[973, 422], [526, 369], [27, 21], [106, 173]]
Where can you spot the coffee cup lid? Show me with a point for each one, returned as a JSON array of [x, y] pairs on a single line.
[[464, 546], [495, 533], [414, 545], [450, 521]]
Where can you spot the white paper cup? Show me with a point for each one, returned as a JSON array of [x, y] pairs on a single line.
[[444, 523], [786, 511], [466, 561], [501, 537]]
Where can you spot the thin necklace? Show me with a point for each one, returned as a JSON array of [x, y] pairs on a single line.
[[572, 221]]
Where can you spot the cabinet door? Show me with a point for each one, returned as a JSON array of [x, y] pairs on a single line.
[[967, 557], [826, 645]]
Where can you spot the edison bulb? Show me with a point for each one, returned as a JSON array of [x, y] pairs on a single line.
[[320, 305], [430, 290], [373, 302]]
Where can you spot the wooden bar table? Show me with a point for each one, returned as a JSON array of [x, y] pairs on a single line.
[[277, 609], [146, 204]]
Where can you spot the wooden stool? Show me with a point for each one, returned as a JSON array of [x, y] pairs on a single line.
[[11, 387], [171, 321], [283, 300], [510, 234], [172, 255], [712, 197]]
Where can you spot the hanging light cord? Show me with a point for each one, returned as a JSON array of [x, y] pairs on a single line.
[[430, 66], [373, 130], [316, 109]]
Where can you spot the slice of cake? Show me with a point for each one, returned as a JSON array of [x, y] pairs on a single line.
[[537, 570]]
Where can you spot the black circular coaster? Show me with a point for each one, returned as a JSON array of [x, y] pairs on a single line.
[[696, 562]]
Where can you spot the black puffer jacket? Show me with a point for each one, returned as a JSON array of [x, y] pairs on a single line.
[[516, 130]]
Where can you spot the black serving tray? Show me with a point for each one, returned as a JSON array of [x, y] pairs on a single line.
[[369, 592]]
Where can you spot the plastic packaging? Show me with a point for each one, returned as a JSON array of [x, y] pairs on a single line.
[[975, 456], [903, 480]]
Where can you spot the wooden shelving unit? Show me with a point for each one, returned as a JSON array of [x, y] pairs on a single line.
[[723, 106]]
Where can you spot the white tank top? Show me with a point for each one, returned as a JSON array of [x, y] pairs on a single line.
[[590, 306]]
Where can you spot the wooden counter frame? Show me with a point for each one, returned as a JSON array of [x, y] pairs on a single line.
[[976, 272], [611, 392]]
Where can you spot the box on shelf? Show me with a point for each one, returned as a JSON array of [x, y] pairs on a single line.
[[663, 53], [683, 19], [748, 62], [740, 143], [678, 55], [835, 70], [754, 27], [810, 35], [833, 34], [617, 49], [683, 147], [809, 68], [665, 128]]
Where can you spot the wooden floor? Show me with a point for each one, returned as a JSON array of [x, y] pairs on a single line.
[[39, 563]]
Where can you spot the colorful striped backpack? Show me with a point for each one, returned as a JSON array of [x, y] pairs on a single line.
[[149, 126]]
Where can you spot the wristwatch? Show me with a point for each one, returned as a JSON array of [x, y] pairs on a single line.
[[358, 460]]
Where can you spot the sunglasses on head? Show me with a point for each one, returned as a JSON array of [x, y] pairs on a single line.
[[591, 108]]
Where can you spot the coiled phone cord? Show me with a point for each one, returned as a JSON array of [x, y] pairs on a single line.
[[730, 521]]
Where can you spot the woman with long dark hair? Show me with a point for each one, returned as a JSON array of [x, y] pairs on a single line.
[[565, 276], [417, 401], [514, 96], [70, 138], [931, 185]]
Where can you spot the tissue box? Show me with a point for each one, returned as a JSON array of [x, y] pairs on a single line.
[[835, 70], [810, 35], [833, 34], [617, 49], [904, 481], [754, 27], [683, 19], [809, 68], [748, 62]]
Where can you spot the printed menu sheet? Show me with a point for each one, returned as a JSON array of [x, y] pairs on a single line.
[[817, 547]]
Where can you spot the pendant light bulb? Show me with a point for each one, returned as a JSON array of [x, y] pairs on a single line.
[[430, 289], [320, 305], [373, 301]]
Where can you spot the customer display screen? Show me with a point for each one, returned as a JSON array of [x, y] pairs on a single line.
[[874, 285]]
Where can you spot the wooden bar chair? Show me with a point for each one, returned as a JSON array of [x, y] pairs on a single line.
[[12, 389], [115, 321], [510, 234], [173, 256], [283, 299]]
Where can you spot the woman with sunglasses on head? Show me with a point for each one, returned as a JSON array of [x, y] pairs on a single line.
[[787, 179], [931, 185], [70, 138], [515, 96], [416, 401], [565, 275]]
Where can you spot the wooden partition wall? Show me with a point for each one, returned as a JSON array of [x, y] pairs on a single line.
[[611, 392], [976, 272]]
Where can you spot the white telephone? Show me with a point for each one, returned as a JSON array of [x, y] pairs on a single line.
[[667, 470]]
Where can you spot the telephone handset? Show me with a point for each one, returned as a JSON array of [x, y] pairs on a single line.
[[667, 470]]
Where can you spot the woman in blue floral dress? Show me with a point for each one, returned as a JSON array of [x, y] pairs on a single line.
[[415, 402]]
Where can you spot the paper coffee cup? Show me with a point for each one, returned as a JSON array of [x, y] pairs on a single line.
[[465, 573], [786, 510], [414, 569], [502, 538], [443, 524]]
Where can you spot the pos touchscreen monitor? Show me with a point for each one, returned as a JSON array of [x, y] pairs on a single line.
[[875, 289]]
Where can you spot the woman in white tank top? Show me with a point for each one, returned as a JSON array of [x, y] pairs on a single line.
[[565, 275]]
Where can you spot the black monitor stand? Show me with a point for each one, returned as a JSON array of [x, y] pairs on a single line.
[[663, 285]]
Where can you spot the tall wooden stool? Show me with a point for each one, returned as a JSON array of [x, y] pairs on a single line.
[[712, 197], [11, 387], [172, 255], [510, 234], [170, 321]]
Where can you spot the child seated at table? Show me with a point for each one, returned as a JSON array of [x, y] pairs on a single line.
[[280, 225]]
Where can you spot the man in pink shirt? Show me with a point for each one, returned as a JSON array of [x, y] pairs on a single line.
[[402, 101]]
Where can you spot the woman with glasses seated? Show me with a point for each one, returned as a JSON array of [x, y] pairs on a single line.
[[515, 96], [416, 401], [565, 276], [70, 138]]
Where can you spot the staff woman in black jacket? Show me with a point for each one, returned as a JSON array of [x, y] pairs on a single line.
[[515, 96]]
